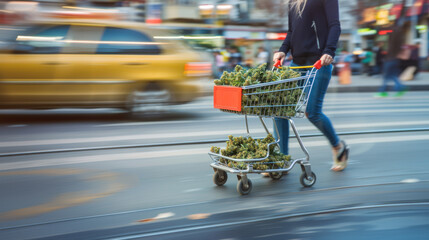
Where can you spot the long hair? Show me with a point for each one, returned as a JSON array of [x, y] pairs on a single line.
[[297, 6]]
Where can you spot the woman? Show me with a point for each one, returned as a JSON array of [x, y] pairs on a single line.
[[314, 30]]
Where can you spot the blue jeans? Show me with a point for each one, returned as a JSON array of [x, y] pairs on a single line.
[[314, 111], [391, 71]]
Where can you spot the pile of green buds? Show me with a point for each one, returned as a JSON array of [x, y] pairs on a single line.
[[249, 148], [266, 100], [246, 77]]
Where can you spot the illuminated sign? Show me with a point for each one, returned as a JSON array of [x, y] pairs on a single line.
[[395, 12], [416, 9], [422, 28], [207, 10], [276, 36], [384, 32], [368, 15], [382, 17], [366, 31]]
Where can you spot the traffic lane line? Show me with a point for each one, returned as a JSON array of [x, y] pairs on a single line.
[[153, 136], [184, 152], [363, 111], [331, 105]]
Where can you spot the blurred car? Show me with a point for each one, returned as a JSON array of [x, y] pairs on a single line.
[[98, 64]]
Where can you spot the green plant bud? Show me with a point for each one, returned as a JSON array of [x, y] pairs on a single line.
[[214, 149], [238, 68]]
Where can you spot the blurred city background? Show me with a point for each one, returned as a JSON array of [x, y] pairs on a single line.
[[208, 37], [106, 119], [198, 39]]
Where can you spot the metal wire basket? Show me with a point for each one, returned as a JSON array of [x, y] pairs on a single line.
[[282, 98]]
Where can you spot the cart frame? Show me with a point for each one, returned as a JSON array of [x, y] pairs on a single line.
[[308, 178]]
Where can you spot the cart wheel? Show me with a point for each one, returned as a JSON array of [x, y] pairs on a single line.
[[307, 181], [276, 175], [220, 177], [242, 189]]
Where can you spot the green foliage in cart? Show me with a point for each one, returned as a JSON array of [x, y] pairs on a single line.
[[242, 77], [266, 100], [249, 148]]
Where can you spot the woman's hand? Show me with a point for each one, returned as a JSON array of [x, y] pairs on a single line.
[[326, 59], [279, 56]]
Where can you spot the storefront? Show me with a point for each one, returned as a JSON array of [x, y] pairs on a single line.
[[247, 39], [377, 23]]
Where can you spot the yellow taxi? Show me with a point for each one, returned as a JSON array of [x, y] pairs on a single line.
[[98, 64]]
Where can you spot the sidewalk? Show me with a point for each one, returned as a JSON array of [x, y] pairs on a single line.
[[359, 83], [363, 83]]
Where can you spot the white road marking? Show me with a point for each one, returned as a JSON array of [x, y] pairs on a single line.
[[192, 190], [410, 180], [369, 97], [163, 122], [117, 138], [223, 133], [361, 111], [295, 216], [184, 152], [188, 180], [379, 111], [327, 106], [164, 215], [351, 111]]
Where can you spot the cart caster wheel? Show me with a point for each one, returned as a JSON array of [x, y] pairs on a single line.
[[241, 189], [276, 175], [307, 181], [220, 177]]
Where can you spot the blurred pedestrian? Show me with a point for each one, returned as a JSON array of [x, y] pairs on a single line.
[[391, 66], [220, 63], [368, 61], [262, 56], [415, 58], [343, 68], [379, 58], [308, 45], [409, 62], [235, 58]]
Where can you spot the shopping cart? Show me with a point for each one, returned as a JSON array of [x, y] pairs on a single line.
[[285, 98]]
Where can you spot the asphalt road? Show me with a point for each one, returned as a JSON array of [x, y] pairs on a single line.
[[166, 192]]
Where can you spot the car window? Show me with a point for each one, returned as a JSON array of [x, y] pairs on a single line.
[[42, 40], [82, 39], [126, 41]]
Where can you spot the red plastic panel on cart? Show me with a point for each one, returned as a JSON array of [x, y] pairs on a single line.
[[227, 97]]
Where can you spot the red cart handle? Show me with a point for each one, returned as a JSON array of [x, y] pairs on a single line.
[[278, 64], [318, 64]]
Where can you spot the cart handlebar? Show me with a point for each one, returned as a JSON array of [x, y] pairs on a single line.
[[317, 65]]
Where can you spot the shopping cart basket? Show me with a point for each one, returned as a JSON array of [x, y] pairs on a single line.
[[284, 98]]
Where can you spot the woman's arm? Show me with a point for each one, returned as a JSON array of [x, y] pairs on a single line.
[[285, 47], [286, 43], [332, 15]]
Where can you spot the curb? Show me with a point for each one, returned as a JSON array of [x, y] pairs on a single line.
[[350, 89]]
